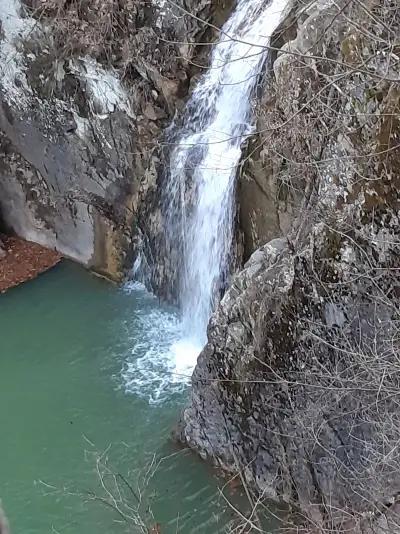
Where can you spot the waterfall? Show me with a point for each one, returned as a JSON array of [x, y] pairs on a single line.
[[199, 200], [203, 166]]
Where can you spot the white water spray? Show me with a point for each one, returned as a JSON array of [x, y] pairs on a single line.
[[200, 192]]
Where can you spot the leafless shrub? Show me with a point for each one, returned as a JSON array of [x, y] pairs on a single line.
[[118, 34], [126, 494], [99, 28], [3, 523], [123, 494]]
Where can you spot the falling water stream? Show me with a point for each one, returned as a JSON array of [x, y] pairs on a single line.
[[205, 161], [199, 197]]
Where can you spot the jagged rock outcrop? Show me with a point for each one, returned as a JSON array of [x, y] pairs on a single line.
[[297, 387], [86, 91]]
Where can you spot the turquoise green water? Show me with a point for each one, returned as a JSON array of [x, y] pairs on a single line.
[[71, 389]]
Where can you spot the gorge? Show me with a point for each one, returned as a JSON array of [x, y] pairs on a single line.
[[241, 159]]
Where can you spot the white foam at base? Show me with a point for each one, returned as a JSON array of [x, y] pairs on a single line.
[[185, 352], [161, 360]]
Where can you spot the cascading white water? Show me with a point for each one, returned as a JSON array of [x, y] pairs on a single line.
[[199, 203], [204, 163]]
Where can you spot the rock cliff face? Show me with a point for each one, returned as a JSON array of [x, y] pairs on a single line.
[[85, 92], [297, 387]]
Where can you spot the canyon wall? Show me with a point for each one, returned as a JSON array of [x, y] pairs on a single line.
[[297, 387], [87, 89]]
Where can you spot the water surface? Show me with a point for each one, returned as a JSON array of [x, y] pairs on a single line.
[[71, 388]]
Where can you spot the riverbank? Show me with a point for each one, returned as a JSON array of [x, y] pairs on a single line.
[[22, 260]]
